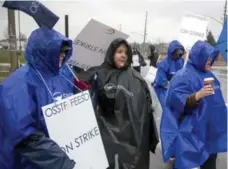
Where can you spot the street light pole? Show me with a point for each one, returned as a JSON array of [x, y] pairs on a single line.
[[19, 31], [12, 40], [225, 12], [145, 32], [145, 29], [66, 26]]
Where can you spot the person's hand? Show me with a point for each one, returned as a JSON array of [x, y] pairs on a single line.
[[207, 90]]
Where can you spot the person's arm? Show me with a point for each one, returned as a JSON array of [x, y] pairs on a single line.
[[178, 93], [43, 152], [191, 101]]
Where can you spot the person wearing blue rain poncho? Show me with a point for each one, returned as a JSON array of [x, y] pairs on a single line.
[[24, 139], [193, 125], [167, 68]]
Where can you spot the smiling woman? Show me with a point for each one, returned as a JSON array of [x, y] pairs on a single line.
[[120, 56], [124, 110]]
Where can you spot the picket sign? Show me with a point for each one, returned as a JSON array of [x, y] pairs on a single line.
[[193, 28], [91, 44], [72, 124], [151, 74]]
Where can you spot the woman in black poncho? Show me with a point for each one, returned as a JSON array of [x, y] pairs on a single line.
[[124, 110]]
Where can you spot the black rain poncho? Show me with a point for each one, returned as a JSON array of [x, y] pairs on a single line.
[[124, 112]]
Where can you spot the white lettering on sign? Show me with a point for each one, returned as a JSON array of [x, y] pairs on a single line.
[[193, 33], [91, 45], [193, 28], [81, 140], [111, 86], [202, 18], [34, 7], [71, 123], [57, 108]]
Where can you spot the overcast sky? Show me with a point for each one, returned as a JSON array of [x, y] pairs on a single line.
[[164, 16]]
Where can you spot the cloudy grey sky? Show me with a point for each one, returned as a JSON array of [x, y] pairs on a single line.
[[164, 16]]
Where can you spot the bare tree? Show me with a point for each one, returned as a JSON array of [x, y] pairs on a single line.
[[23, 37], [210, 38]]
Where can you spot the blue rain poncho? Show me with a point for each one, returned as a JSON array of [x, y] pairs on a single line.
[[166, 70], [203, 130], [22, 96]]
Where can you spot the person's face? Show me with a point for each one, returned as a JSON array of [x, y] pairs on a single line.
[[120, 56], [61, 58], [178, 54], [208, 65]]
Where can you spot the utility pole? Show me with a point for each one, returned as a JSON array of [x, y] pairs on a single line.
[[12, 40], [145, 29], [225, 12], [66, 26], [145, 32], [120, 27], [19, 31]]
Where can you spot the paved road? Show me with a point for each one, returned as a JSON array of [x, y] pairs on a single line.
[[156, 160], [222, 77], [157, 163]]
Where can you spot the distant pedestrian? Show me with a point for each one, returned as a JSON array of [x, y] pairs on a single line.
[[153, 57], [167, 69], [137, 60]]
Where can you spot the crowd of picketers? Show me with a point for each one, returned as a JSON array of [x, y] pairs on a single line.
[[194, 115]]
